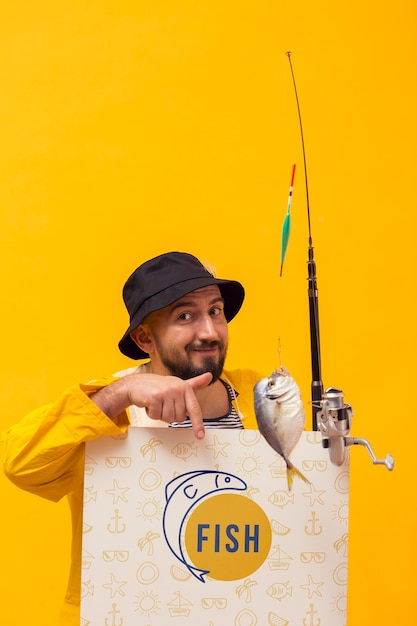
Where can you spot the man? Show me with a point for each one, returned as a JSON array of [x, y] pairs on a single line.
[[178, 322]]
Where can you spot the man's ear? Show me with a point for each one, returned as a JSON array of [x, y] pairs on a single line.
[[142, 336]]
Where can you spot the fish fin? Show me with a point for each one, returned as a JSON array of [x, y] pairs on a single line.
[[293, 471]]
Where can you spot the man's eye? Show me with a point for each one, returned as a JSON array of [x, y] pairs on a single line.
[[184, 316], [216, 310]]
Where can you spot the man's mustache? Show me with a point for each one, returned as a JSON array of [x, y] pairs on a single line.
[[205, 345]]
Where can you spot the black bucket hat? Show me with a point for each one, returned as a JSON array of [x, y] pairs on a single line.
[[160, 281]]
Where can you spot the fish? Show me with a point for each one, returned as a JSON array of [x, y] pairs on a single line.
[[185, 450], [280, 415], [183, 493], [279, 590], [281, 498]]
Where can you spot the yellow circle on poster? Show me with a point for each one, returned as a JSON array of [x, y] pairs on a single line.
[[228, 535]]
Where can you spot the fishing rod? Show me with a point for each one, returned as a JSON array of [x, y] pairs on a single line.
[[313, 301], [330, 414]]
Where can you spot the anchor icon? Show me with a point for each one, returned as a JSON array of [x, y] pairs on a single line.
[[113, 614], [315, 530], [117, 528], [311, 613], [314, 437]]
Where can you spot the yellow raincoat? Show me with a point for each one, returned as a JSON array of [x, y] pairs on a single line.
[[44, 454]]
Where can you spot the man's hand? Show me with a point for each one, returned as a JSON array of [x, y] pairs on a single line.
[[165, 398]]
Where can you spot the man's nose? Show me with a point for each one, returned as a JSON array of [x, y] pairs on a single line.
[[206, 328]]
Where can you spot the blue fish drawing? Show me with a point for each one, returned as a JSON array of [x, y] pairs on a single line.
[[182, 493]]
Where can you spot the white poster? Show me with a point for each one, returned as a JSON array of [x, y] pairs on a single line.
[[186, 532]]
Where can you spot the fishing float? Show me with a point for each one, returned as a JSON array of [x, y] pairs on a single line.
[[286, 227]]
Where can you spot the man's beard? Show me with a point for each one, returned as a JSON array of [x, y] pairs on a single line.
[[181, 366]]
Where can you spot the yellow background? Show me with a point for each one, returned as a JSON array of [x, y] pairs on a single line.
[[132, 128]]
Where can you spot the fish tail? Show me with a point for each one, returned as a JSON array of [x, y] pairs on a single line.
[[198, 573], [292, 471]]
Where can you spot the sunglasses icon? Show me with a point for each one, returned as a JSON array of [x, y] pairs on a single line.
[[115, 555], [319, 466], [209, 603], [317, 557], [121, 461]]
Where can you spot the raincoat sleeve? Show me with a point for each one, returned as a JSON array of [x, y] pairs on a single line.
[[244, 380], [44, 452]]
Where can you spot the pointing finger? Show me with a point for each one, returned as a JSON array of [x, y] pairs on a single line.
[[192, 405], [201, 381]]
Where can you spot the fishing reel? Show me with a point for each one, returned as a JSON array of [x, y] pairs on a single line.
[[334, 420]]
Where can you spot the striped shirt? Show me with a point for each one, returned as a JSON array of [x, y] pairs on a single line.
[[230, 420]]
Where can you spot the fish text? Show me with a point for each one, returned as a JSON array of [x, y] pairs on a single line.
[[230, 538]]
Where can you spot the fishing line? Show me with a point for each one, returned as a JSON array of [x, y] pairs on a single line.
[[303, 146]]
